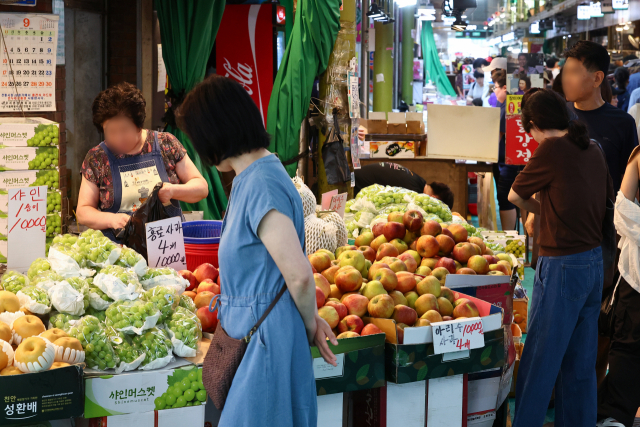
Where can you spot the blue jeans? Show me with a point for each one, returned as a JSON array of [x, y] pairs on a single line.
[[562, 342]]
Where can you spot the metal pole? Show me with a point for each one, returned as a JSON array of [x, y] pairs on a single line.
[[364, 61], [396, 54]]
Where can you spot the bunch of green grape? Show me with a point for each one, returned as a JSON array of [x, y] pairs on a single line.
[[99, 353], [63, 321], [96, 290], [187, 302], [394, 207], [370, 191], [46, 158], [13, 281], [155, 343], [40, 265], [54, 225], [80, 285], [101, 315], [69, 239], [433, 217], [156, 272], [186, 327], [126, 314], [46, 276], [48, 242], [44, 137], [471, 230], [129, 258], [351, 227], [165, 298], [54, 202], [95, 246], [123, 345], [432, 205], [348, 204], [50, 178], [188, 391], [125, 275], [37, 295], [391, 195], [495, 247], [515, 247]]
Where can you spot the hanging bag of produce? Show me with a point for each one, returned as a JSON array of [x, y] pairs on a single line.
[[333, 156]]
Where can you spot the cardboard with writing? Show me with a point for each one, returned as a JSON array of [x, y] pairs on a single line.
[[18, 158], [16, 132], [27, 222], [165, 244], [26, 178], [496, 290]]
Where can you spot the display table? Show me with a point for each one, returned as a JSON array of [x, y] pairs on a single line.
[[447, 171]]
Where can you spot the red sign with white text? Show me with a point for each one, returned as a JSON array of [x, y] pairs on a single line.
[[519, 144], [245, 50]]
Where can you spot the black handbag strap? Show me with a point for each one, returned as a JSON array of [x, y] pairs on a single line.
[[266, 313]]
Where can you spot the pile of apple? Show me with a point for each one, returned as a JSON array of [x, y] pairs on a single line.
[[204, 284], [398, 271]]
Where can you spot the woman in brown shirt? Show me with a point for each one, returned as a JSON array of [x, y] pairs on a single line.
[[569, 172]]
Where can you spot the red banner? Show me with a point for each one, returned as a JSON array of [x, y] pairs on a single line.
[[519, 144], [245, 50]]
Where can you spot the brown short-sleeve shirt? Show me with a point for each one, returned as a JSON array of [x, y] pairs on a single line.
[[96, 168]]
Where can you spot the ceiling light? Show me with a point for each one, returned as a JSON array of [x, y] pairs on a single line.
[[405, 3]]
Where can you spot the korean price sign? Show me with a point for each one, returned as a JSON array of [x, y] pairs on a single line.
[[165, 244], [338, 203], [519, 144], [458, 335], [28, 62], [27, 226]]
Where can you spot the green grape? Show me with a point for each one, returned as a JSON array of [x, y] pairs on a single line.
[[99, 353], [54, 202], [54, 224], [155, 272], [97, 291], [170, 399], [129, 258], [46, 276], [95, 246], [68, 239], [164, 298], [186, 327], [82, 287], [62, 321], [187, 302], [201, 395], [45, 157], [123, 345], [155, 343], [126, 276], [13, 281], [128, 314], [38, 266], [37, 295], [100, 314]]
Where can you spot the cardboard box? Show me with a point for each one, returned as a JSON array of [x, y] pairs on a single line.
[[19, 158], [42, 396], [331, 409], [496, 290], [377, 123], [415, 123], [505, 238], [52, 198], [187, 416], [27, 178], [393, 149], [521, 313], [130, 392], [396, 124], [361, 365], [19, 132]]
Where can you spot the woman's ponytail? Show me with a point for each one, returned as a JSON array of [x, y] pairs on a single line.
[[579, 134]]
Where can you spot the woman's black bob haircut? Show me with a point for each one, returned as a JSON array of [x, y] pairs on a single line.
[[221, 120]]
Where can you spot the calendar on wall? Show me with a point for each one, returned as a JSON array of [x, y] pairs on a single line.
[[28, 45]]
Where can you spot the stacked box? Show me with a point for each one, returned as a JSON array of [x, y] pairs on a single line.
[[28, 132], [28, 158], [29, 178], [54, 204]]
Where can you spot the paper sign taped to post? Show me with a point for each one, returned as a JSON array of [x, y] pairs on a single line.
[[165, 244], [458, 335], [27, 226], [338, 203]]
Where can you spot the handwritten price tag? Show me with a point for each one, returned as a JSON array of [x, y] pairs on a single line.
[[458, 335], [338, 203], [27, 225], [165, 244]]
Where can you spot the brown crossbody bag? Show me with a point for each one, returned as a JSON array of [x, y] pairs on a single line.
[[224, 357]]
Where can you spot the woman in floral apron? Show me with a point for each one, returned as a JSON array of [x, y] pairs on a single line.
[[119, 174]]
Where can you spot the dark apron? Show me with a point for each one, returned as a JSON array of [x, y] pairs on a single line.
[[133, 179]]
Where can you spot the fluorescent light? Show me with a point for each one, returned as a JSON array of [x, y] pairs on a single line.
[[405, 3]]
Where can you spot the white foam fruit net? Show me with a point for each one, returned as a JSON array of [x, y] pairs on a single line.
[[341, 228], [308, 199], [319, 235]]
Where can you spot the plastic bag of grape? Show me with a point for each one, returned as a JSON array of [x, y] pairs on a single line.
[[185, 331], [62, 321], [118, 283], [133, 260], [165, 298], [69, 299], [132, 317], [98, 300], [46, 280], [40, 265], [99, 250], [187, 302], [66, 259], [157, 347], [99, 353], [13, 281], [35, 300], [164, 277], [130, 356]]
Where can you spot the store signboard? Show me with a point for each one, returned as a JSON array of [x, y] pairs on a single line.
[[596, 10], [519, 145], [165, 244], [245, 50], [27, 223], [620, 4], [584, 13]]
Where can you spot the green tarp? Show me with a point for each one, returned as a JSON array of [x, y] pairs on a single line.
[[188, 30], [432, 67]]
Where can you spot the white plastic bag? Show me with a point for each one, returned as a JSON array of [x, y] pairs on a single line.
[[34, 299], [66, 266], [66, 299], [115, 288], [97, 302]]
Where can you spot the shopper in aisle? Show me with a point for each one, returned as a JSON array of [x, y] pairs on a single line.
[[108, 193], [261, 251], [395, 175], [553, 64], [570, 174], [489, 97], [477, 88], [622, 94], [619, 394]]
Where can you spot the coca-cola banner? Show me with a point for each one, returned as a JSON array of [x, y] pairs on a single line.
[[245, 50]]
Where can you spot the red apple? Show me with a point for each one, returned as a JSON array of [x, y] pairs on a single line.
[[203, 299], [320, 261], [386, 250], [431, 228], [499, 267], [409, 261], [348, 279], [368, 253], [330, 274], [393, 230], [208, 319], [378, 241], [428, 246], [412, 220], [186, 274], [430, 262], [478, 264], [385, 276], [477, 241], [414, 245], [404, 314], [459, 233], [395, 217], [370, 329], [478, 249], [406, 282], [207, 285], [351, 323], [375, 267], [446, 244], [322, 283], [463, 251], [381, 306], [466, 270], [206, 271], [340, 308], [364, 239], [378, 229], [320, 298], [348, 335], [446, 232], [447, 263], [441, 274], [356, 304], [465, 309], [400, 332], [490, 259]]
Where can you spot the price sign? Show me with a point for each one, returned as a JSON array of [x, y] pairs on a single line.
[[165, 244], [458, 335], [338, 203], [519, 145], [27, 226]]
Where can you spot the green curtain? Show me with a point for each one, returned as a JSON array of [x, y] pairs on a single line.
[[433, 69], [188, 30], [307, 55]]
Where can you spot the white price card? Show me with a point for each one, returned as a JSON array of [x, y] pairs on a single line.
[[27, 226], [338, 203], [165, 244], [322, 369], [457, 335]]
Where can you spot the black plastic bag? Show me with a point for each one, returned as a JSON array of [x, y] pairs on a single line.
[[334, 158], [134, 234]]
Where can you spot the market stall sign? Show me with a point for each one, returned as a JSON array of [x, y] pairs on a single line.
[[458, 335], [338, 203], [519, 145], [165, 244], [27, 223]]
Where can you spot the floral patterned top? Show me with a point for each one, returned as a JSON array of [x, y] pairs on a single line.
[[96, 169]]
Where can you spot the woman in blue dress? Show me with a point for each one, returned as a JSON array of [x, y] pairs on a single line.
[[261, 249]]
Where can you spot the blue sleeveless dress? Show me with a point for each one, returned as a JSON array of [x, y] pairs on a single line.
[[274, 385]]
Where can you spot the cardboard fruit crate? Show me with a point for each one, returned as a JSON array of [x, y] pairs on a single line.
[[28, 132]]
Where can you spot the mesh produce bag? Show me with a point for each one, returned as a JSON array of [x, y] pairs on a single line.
[[308, 199], [319, 235]]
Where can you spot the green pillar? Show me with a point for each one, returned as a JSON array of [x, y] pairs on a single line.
[[408, 23], [383, 67]]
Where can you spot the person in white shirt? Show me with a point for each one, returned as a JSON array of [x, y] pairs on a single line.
[[477, 88]]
